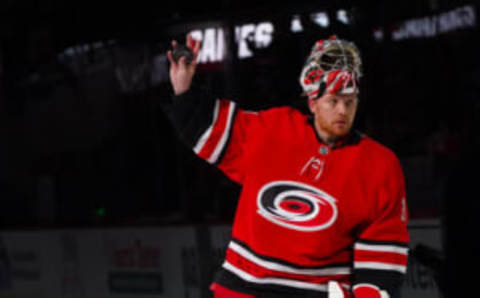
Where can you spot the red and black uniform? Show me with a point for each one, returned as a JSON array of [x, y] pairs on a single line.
[[308, 212]]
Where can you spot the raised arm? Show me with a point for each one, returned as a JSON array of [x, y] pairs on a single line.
[[214, 128]]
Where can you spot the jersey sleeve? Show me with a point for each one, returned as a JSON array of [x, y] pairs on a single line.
[[381, 251], [215, 129]]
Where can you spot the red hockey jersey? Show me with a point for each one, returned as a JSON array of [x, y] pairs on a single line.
[[308, 213]]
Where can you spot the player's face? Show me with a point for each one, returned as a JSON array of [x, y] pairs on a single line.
[[334, 115]]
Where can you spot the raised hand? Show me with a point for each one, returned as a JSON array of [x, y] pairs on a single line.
[[181, 72]]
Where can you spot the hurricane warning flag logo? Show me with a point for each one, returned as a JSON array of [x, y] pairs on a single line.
[[296, 206]]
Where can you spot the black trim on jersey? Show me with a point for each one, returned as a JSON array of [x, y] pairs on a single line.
[[375, 242], [390, 281], [233, 282], [191, 114], [353, 138], [282, 262], [229, 137]]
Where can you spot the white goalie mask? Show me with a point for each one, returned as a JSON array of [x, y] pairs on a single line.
[[333, 66]]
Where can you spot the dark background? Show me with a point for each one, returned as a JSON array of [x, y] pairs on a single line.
[[78, 149]]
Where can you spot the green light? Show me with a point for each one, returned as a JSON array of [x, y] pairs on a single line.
[[100, 211]]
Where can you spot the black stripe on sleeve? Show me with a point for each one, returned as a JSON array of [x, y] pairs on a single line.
[[385, 280], [375, 242]]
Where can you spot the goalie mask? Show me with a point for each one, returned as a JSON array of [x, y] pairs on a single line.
[[333, 66]]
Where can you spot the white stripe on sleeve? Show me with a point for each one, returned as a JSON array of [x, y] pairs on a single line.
[[380, 266], [225, 135], [203, 139], [382, 248]]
